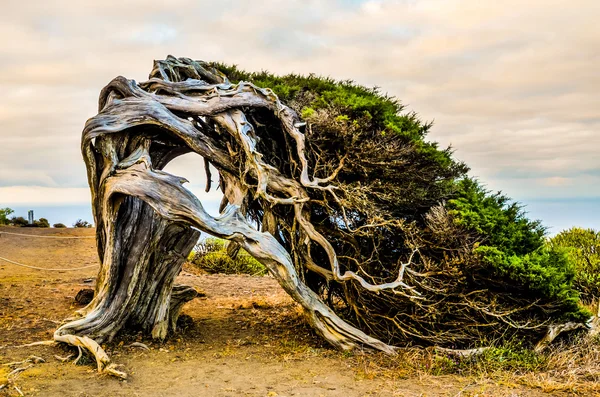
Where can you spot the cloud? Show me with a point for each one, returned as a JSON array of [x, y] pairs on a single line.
[[19, 177], [512, 85], [153, 33], [556, 181], [10, 195]]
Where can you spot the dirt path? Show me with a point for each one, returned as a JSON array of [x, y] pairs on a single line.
[[245, 338]]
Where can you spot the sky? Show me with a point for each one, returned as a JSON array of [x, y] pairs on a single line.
[[513, 86]]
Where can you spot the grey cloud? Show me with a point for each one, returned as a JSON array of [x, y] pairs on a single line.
[[513, 86]]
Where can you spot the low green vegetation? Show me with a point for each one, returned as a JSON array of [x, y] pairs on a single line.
[[567, 369], [19, 221], [514, 252], [507, 358], [22, 222], [42, 222], [211, 256], [582, 246]]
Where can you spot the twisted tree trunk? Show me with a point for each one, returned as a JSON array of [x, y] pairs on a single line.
[[147, 222], [347, 216]]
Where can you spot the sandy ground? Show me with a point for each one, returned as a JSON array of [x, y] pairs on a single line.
[[244, 338]]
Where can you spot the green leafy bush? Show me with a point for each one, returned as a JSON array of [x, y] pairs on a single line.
[[211, 256], [42, 222], [482, 269], [501, 222], [59, 225], [4, 213], [513, 251], [583, 248], [18, 221]]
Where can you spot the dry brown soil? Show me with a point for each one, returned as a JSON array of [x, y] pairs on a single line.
[[244, 338]]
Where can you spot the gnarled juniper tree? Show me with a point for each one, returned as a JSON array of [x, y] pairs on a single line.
[[374, 231]]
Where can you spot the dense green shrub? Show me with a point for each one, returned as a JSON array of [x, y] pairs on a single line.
[[59, 225], [42, 222], [513, 249], [358, 104], [22, 222], [211, 256], [18, 221], [501, 222], [583, 249], [482, 270]]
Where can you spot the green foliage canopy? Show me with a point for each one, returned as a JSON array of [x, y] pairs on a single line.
[[369, 128], [491, 251], [513, 248]]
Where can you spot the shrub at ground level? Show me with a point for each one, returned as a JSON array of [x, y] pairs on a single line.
[[211, 256], [18, 221], [42, 222], [22, 222]]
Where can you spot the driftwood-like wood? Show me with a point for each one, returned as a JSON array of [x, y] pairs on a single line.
[[147, 222]]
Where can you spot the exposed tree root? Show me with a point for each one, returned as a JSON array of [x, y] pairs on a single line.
[[462, 352], [139, 345], [63, 359], [82, 343], [102, 359], [554, 331], [40, 343], [30, 359]]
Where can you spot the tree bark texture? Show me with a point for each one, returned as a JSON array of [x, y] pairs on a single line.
[[147, 222]]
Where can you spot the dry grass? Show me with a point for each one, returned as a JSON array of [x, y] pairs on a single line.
[[571, 367]]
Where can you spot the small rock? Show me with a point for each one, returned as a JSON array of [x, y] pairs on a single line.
[[84, 296]]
